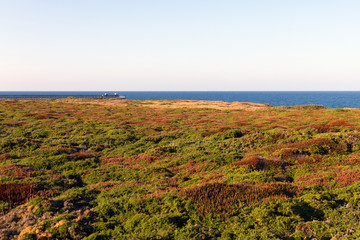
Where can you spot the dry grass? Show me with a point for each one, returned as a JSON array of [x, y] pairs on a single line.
[[220, 105], [166, 104]]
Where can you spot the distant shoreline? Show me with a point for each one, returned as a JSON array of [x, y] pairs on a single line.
[[174, 104], [327, 99]]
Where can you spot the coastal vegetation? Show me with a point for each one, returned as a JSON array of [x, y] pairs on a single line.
[[122, 169]]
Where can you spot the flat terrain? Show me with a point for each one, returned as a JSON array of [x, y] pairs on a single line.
[[166, 104], [123, 169]]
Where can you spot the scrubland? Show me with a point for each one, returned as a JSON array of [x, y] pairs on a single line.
[[121, 169]]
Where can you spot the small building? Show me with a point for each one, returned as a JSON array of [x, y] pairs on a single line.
[[115, 95]]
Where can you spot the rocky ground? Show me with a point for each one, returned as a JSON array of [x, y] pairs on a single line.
[[27, 222]]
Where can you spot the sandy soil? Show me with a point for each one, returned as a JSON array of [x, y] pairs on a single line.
[[205, 104], [166, 104]]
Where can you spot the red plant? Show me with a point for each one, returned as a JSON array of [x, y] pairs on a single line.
[[259, 163], [224, 198], [314, 159], [286, 153], [80, 155], [251, 161], [347, 177], [322, 128], [330, 146], [213, 177], [4, 157], [340, 123], [17, 171], [16, 193], [353, 158], [319, 179], [342, 177], [133, 159], [13, 123]]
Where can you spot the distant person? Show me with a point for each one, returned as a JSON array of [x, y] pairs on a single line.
[[106, 94], [115, 94]]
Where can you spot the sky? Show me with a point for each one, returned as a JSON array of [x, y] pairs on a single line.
[[179, 45]]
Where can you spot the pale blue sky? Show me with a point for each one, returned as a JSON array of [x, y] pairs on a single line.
[[179, 45]]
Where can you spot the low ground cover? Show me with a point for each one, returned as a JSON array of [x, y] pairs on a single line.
[[121, 169]]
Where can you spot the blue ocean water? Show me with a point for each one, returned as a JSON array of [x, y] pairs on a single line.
[[331, 99]]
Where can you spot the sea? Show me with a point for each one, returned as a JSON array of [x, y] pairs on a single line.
[[329, 99]]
